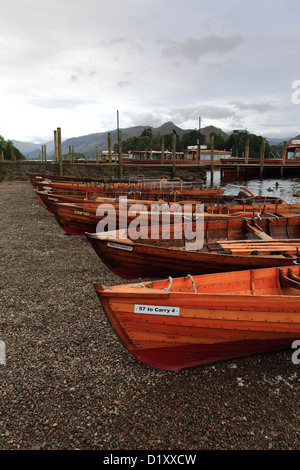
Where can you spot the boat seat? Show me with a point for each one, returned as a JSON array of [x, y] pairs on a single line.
[[290, 280], [257, 231], [255, 247]]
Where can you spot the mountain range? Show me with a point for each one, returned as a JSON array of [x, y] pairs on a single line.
[[88, 143]]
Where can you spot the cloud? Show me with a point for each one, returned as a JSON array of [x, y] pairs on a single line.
[[191, 48], [259, 107], [187, 117], [57, 103]]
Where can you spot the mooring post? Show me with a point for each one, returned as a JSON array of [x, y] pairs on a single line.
[[12, 154], [120, 154], [55, 147], [262, 158], [162, 154], [109, 147], [283, 158], [60, 163], [212, 148], [173, 154], [247, 151]]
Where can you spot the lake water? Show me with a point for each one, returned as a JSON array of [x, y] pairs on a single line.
[[283, 188]]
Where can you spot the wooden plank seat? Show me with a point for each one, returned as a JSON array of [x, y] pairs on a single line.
[[289, 280], [256, 246]]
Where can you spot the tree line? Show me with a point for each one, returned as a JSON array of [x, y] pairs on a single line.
[[9, 151], [235, 142]]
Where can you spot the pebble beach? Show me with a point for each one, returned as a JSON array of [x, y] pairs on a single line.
[[67, 383]]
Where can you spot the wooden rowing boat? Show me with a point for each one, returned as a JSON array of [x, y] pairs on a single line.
[[189, 321], [226, 245], [171, 191], [224, 204], [138, 184], [76, 218], [35, 178], [49, 199]]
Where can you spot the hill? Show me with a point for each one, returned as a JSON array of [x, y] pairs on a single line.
[[88, 143]]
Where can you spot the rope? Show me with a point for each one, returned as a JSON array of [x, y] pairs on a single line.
[[170, 284], [193, 282]]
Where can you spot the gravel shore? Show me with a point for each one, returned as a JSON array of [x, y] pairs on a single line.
[[68, 383]]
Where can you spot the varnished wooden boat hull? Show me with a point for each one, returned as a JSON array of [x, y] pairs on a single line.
[[79, 218], [170, 191], [228, 206], [226, 316], [162, 262], [50, 199], [154, 258], [35, 178]]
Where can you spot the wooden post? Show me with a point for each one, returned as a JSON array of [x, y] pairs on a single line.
[[73, 154], [55, 147], [173, 154], [199, 153], [247, 151], [283, 158], [120, 153], [162, 155], [212, 149], [12, 154], [284, 152], [2, 156], [262, 157], [60, 163], [199, 146], [109, 147], [97, 156], [42, 153]]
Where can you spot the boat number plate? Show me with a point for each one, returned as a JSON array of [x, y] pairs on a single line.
[[157, 310], [82, 213], [120, 247]]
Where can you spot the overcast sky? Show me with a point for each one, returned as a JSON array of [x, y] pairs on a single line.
[[74, 63]]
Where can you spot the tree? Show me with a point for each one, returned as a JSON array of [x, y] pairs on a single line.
[[237, 144], [9, 151]]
